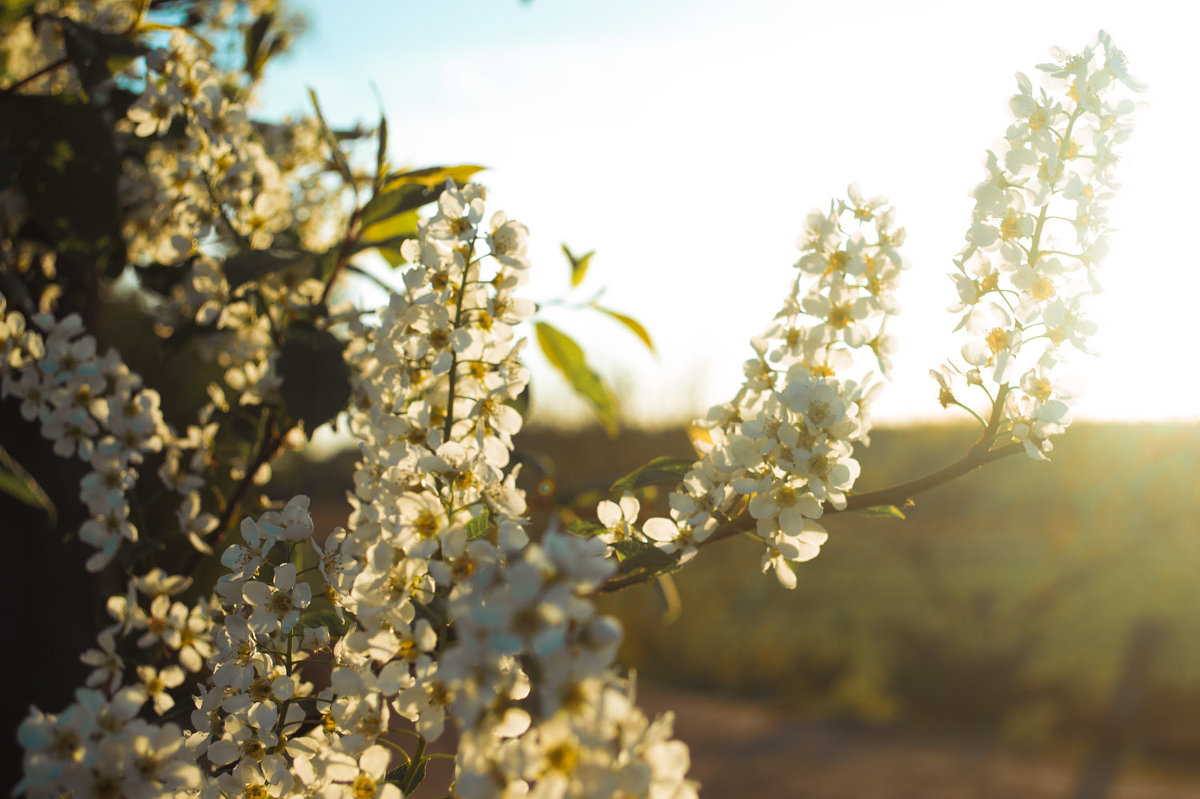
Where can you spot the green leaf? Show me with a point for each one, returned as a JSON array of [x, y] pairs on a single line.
[[882, 512], [13, 10], [161, 278], [322, 614], [634, 325], [339, 158], [583, 528], [316, 380], [20, 485], [566, 356], [434, 175], [68, 176], [96, 55], [394, 200], [390, 233], [244, 267], [638, 555], [381, 154], [416, 775], [479, 526], [661, 470], [579, 265], [327, 262], [391, 216], [255, 35], [390, 254]]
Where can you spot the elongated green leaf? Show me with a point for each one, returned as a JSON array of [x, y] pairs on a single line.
[[381, 153], [660, 471], [96, 55], [321, 614], [395, 199], [339, 158], [583, 528], [13, 10], [637, 555], [579, 264], [255, 58], [20, 485], [434, 175], [243, 267], [883, 512], [634, 325], [390, 254], [390, 217], [567, 357], [315, 378], [478, 527]]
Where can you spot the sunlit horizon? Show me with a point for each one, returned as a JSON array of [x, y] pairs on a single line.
[[686, 145]]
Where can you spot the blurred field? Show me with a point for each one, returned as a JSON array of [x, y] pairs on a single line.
[[1002, 607], [1004, 603]]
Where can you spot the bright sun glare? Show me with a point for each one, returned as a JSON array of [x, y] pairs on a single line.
[[687, 146]]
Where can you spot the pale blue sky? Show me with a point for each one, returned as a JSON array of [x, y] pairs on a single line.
[[686, 141]]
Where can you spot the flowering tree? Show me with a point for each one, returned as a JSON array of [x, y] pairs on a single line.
[[247, 653]]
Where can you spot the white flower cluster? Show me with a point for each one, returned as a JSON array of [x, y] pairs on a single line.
[[91, 407], [434, 606], [220, 172], [542, 711], [452, 612], [438, 531], [1037, 235], [785, 442]]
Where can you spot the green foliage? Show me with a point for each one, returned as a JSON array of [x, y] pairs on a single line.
[[1037, 597], [96, 55], [579, 264], [567, 357], [663, 470], [882, 512], [13, 10], [20, 485], [339, 158], [391, 215], [67, 173], [639, 556], [254, 265], [315, 378], [633, 325], [263, 41], [583, 528], [479, 526]]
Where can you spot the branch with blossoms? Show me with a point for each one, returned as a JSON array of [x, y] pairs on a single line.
[[307, 662]]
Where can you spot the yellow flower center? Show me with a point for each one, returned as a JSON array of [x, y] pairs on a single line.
[[997, 339], [364, 787]]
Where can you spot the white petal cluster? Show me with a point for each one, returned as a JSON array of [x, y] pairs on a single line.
[[219, 175], [436, 607], [437, 530], [1037, 234], [89, 406], [531, 675], [785, 443]]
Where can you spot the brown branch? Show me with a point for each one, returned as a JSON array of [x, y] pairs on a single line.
[[269, 448], [344, 253], [900, 494], [46, 70], [897, 495], [266, 451]]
